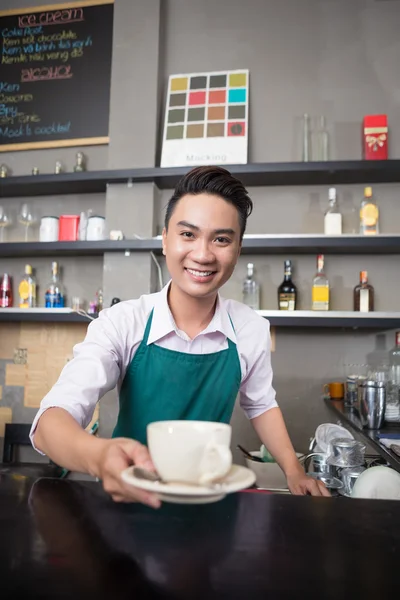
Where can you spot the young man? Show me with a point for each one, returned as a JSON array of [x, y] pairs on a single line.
[[182, 353]]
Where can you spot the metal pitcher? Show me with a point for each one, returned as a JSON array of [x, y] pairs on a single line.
[[372, 403]]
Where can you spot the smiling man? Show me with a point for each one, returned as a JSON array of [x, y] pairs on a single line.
[[182, 353]]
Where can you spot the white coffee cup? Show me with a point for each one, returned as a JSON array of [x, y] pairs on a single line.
[[196, 452], [96, 228], [48, 231]]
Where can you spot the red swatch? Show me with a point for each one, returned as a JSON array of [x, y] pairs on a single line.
[[217, 97], [237, 128], [197, 98]]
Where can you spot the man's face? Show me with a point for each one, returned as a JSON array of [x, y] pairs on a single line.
[[202, 244]]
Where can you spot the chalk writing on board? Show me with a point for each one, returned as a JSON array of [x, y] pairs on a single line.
[[52, 17], [55, 74]]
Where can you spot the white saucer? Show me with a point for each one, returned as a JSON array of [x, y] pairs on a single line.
[[238, 478]]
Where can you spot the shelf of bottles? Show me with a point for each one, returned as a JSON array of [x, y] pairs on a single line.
[[45, 315], [277, 318], [252, 244]]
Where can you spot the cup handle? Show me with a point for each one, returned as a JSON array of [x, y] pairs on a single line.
[[215, 463], [326, 391]]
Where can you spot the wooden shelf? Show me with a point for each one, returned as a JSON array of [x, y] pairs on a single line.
[[257, 174], [266, 244], [332, 319], [47, 315], [277, 318]]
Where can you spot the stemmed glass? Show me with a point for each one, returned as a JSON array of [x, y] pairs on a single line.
[[5, 221], [26, 218]]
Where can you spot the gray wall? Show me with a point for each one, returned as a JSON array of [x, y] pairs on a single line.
[[330, 57]]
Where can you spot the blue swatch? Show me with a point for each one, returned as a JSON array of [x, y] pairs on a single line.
[[238, 95]]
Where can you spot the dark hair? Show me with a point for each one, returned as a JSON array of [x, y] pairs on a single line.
[[213, 180]]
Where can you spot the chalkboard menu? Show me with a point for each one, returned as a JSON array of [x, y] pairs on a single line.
[[55, 75]]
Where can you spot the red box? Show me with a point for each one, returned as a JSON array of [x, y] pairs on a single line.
[[375, 137], [68, 228]]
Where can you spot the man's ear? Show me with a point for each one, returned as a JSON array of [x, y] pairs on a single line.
[[164, 241]]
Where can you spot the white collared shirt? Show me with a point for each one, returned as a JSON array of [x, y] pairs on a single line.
[[101, 360]]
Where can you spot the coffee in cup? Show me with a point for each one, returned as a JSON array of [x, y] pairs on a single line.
[[196, 452]]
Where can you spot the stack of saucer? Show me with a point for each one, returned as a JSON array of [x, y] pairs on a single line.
[[392, 413]]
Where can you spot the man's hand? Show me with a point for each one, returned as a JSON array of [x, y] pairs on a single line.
[[119, 454], [300, 485]]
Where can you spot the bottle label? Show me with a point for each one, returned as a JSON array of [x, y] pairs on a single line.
[[364, 300], [369, 215], [333, 224], [287, 301], [320, 298], [27, 294], [53, 300]]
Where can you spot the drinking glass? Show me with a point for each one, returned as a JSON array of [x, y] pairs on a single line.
[[27, 218], [5, 221]]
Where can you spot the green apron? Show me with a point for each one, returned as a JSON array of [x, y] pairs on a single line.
[[162, 384]]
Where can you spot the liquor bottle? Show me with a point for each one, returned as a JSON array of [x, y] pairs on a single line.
[[287, 292], [6, 293], [27, 289], [369, 214], [251, 289], [54, 296], [394, 373], [333, 217], [320, 287], [364, 294]]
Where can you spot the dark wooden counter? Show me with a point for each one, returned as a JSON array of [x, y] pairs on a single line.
[[64, 539]]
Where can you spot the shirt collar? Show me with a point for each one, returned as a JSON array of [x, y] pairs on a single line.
[[163, 322]]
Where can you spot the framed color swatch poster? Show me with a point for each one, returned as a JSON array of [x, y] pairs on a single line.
[[206, 119]]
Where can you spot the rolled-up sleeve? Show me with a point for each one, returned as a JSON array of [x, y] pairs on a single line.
[[93, 371], [257, 394]]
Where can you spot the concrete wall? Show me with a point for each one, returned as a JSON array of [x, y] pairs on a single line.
[[330, 57]]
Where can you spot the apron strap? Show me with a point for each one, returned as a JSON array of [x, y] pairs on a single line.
[[148, 327]]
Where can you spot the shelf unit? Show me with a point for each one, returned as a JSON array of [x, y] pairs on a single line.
[[297, 319], [260, 174], [265, 244], [257, 174]]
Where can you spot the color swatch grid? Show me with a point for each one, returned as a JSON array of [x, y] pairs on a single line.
[[207, 106], [206, 119]]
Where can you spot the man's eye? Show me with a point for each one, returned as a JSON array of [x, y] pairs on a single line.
[[187, 234], [222, 240]]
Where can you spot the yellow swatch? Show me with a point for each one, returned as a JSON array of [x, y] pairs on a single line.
[[237, 79], [178, 84]]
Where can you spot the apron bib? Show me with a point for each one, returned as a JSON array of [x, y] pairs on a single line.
[[162, 385]]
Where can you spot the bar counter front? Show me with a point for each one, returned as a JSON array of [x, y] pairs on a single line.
[[68, 539]]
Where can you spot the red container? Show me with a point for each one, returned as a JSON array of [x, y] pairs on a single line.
[[6, 295], [68, 228], [375, 137]]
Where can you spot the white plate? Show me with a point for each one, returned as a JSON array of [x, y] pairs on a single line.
[[378, 482], [238, 478]]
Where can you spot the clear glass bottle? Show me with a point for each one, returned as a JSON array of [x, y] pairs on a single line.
[[333, 216], [369, 214], [320, 287], [251, 289], [55, 295], [320, 140], [27, 289], [394, 372], [306, 146], [364, 294], [287, 292]]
